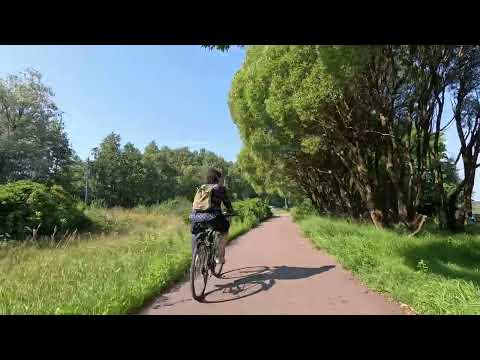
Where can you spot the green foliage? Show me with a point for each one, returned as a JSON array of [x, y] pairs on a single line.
[[178, 206], [303, 210], [237, 184], [135, 254], [26, 205], [34, 146], [252, 211], [107, 170], [160, 177], [330, 123], [124, 176], [280, 101], [72, 178], [33, 143], [110, 273], [132, 175]]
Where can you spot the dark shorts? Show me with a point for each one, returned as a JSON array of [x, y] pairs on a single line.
[[218, 223]]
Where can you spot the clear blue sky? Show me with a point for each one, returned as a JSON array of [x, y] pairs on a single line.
[[175, 95]]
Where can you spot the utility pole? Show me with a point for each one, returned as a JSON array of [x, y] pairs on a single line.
[[87, 174]]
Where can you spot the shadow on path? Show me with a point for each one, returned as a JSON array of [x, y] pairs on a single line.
[[249, 281]]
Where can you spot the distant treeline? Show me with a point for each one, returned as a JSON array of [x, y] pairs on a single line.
[[35, 146]]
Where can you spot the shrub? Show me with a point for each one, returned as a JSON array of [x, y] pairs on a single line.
[[303, 210], [26, 205], [252, 211]]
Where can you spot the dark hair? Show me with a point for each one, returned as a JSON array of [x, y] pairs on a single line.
[[213, 176]]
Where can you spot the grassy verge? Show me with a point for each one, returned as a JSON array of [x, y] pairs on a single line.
[[434, 273], [107, 274], [131, 256]]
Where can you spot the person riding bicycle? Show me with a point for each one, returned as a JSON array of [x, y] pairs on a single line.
[[213, 216], [471, 220]]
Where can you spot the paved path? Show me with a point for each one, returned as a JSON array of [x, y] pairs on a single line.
[[273, 269]]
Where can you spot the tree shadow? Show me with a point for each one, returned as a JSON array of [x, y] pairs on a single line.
[[452, 259], [249, 281]]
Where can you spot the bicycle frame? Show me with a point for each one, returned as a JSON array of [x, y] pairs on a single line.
[[209, 240]]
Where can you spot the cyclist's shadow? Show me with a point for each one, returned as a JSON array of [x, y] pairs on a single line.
[[249, 281]]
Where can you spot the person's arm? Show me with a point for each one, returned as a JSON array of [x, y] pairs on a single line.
[[226, 200]]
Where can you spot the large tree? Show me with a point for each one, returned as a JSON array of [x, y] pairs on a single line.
[[132, 176], [33, 142], [106, 170], [349, 126], [465, 88], [159, 183]]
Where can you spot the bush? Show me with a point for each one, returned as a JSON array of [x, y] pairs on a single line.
[[252, 211], [26, 205], [303, 210]]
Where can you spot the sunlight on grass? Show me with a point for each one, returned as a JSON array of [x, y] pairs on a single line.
[[130, 256], [434, 273]]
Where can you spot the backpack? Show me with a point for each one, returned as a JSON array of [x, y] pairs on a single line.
[[203, 198]]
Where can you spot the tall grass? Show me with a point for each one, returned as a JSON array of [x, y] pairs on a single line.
[[434, 273], [109, 274], [129, 256]]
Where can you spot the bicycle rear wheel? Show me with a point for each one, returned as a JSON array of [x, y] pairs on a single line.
[[199, 271]]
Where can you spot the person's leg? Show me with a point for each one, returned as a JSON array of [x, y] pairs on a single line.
[[222, 226], [222, 243], [194, 241]]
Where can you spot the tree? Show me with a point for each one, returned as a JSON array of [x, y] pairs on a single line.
[[33, 142], [132, 176], [238, 186], [466, 108], [159, 182], [72, 178], [106, 170], [349, 126]]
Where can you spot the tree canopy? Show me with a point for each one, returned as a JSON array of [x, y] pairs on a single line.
[[353, 128], [33, 142]]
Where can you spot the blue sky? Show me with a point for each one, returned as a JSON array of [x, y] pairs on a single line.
[[175, 95]]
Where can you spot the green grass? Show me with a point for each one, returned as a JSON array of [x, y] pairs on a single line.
[[108, 274], [132, 256], [434, 273]]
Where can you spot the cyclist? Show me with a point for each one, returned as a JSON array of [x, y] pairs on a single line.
[[471, 220], [213, 216]]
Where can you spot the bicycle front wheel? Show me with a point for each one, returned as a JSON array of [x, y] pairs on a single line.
[[217, 270], [199, 271]]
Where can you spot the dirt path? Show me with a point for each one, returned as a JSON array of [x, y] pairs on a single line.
[[274, 270]]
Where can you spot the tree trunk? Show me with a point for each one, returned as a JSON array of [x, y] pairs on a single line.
[[467, 194], [451, 207]]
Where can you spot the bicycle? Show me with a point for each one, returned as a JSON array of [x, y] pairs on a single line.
[[203, 260]]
